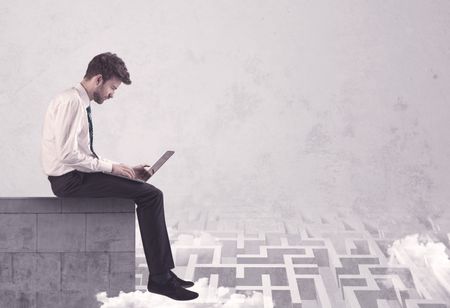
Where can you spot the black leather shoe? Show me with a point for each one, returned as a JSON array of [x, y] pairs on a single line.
[[171, 289], [183, 283]]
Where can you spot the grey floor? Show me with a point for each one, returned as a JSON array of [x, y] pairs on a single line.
[[292, 257]]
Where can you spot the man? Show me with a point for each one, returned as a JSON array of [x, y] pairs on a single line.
[[75, 170]]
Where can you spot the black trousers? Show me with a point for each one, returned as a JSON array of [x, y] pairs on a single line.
[[150, 209]]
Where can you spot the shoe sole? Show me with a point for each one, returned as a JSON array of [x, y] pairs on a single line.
[[174, 298]]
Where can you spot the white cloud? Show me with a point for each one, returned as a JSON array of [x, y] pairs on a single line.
[[428, 262], [208, 297]]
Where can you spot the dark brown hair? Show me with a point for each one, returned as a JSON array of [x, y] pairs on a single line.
[[108, 65]]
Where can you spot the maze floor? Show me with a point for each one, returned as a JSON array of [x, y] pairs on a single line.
[[295, 259]]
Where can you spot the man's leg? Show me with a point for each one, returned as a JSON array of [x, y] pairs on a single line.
[[150, 209], [150, 212]]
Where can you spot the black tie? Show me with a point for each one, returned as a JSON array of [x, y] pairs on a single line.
[[91, 130]]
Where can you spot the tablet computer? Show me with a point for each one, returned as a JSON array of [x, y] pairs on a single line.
[[151, 169]]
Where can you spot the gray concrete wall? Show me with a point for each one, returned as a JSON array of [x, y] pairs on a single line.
[[304, 103], [57, 252]]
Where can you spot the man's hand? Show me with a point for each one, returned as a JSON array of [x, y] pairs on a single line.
[[142, 173], [123, 170]]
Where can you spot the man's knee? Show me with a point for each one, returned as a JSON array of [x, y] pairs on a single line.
[[150, 197], [152, 191]]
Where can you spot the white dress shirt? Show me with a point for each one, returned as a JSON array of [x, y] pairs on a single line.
[[65, 136]]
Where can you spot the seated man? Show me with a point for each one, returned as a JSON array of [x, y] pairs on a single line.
[[75, 170]]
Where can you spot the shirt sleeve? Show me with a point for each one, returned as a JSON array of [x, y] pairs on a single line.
[[108, 161], [68, 118]]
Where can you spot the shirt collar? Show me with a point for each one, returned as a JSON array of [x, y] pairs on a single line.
[[83, 94]]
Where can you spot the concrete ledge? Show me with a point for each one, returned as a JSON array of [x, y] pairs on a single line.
[[65, 205], [60, 252], [30, 205], [97, 205]]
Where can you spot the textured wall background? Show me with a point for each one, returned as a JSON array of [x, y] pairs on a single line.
[[296, 103]]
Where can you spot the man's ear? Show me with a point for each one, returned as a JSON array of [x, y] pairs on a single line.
[[98, 79]]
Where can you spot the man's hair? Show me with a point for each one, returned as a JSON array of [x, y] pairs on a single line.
[[108, 65]]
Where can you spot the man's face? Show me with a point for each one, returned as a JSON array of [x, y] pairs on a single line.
[[105, 89]]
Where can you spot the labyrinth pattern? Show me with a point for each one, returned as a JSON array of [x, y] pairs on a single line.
[[295, 259]]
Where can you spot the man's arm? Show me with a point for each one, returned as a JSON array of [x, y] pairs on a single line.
[[121, 169], [108, 160]]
